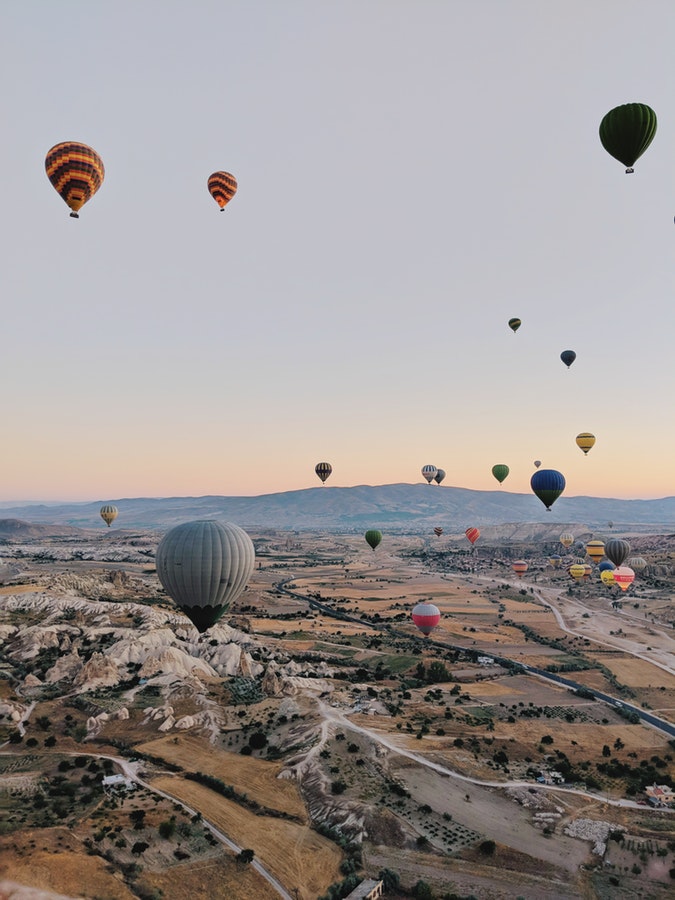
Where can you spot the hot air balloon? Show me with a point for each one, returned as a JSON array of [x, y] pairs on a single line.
[[472, 535], [596, 550], [577, 571], [222, 187], [76, 172], [626, 132], [588, 571], [624, 576], [637, 563], [617, 550], [537, 463], [429, 472], [373, 537], [607, 577], [555, 560], [548, 485], [438, 531], [585, 441], [108, 514], [514, 324], [566, 539], [610, 524], [500, 472], [606, 566], [520, 567], [323, 470], [439, 476], [204, 566], [426, 617], [568, 357]]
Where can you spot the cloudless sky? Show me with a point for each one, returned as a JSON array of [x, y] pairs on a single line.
[[412, 174]]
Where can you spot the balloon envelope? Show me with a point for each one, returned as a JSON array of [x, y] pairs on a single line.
[[624, 576], [548, 485], [204, 566], [596, 550], [577, 571], [607, 576], [537, 463], [617, 550], [606, 566], [472, 534], [626, 132], [76, 171], [520, 567], [429, 472], [514, 324], [439, 476], [636, 563], [373, 537], [568, 357], [585, 441], [566, 539], [438, 531], [426, 617], [222, 187], [500, 472], [108, 514], [323, 470]]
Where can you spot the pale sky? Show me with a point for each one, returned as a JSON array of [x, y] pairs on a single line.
[[412, 174]]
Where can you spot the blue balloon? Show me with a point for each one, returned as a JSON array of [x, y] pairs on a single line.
[[606, 566], [568, 357], [548, 485]]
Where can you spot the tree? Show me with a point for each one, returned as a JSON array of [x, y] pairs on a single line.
[[422, 891], [389, 879], [137, 817], [139, 847], [257, 740], [246, 856], [487, 847], [167, 828]]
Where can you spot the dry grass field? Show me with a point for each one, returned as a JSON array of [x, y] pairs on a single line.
[[295, 854], [255, 777], [69, 873]]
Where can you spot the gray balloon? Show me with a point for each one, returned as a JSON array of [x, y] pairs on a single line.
[[204, 566]]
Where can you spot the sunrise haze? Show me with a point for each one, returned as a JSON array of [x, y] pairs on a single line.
[[411, 176]]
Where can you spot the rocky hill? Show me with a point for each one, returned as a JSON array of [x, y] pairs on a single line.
[[396, 507]]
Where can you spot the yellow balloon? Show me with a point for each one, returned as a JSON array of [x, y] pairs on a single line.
[[607, 576], [585, 441], [596, 550], [577, 571]]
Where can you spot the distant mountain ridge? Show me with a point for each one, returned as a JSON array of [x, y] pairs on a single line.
[[403, 508]]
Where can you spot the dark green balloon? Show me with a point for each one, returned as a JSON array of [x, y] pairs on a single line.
[[373, 537], [626, 132], [500, 472]]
